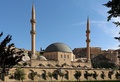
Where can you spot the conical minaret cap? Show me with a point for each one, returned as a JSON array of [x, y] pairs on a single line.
[[88, 24], [33, 11]]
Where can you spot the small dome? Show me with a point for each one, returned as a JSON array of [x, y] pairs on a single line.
[[41, 58], [60, 47], [25, 57]]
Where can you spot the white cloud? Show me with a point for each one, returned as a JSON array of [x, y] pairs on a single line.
[[116, 19], [107, 27], [91, 22], [78, 24]]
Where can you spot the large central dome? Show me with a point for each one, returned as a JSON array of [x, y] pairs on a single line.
[[58, 47]]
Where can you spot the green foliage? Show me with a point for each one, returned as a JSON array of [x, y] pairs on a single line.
[[8, 55], [55, 74], [25, 63], [32, 75], [77, 75], [117, 75], [95, 75], [114, 11], [110, 73], [19, 74], [87, 74], [102, 75], [61, 74], [102, 62], [106, 64], [50, 74]]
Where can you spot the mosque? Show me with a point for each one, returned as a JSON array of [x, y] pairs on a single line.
[[57, 53], [58, 59]]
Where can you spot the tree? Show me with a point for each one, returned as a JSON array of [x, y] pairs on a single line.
[[8, 54], [102, 75], [50, 75], [95, 75], [19, 74], [114, 11], [32, 75], [110, 73], [55, 74], [117, 75], [77, 75], [101, 61], [61, 74], [86, 75]]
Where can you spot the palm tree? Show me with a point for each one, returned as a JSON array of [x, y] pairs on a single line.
[[19, 74]]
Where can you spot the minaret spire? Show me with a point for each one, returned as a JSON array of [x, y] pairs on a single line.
[[33, 12], [33, 32], [88, 40]]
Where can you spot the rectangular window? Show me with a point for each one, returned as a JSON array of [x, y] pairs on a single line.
[[67, 56], [61, 55], [64, 56]]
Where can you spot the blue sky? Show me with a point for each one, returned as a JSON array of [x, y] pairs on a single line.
[[58, 21]]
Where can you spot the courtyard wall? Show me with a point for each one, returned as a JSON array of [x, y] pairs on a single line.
[[69, 72]]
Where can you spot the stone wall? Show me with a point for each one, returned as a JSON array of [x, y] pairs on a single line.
[[68, 73]]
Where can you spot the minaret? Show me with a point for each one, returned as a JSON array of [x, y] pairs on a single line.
[[88, 40], [33, 33]]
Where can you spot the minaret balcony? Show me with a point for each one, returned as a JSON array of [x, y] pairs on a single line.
[[33, 32], [87, 31], [33, 21], [88, 40]]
